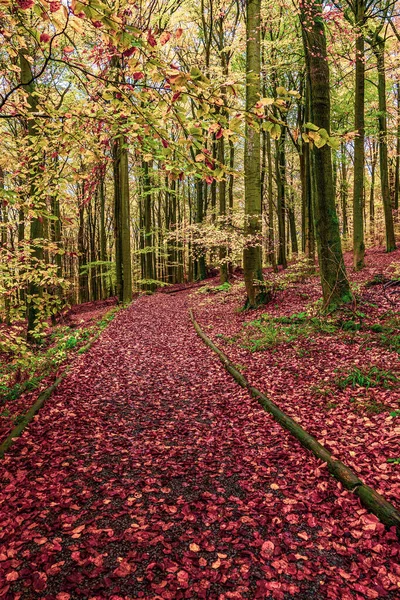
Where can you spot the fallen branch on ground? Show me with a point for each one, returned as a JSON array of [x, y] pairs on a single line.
[[369, 498]]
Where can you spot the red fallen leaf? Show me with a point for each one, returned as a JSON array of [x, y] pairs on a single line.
[[12, 576], [183, 579], [63, 596], [216, 564], [202, 562], [138, 75], [368, 592], [79, 529], [303, 535], [40, 541], [39, 582], [123, 570], [267, 549], [44, 38], [55, 568], [194, 547]]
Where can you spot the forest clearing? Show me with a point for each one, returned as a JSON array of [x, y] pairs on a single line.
[[199, 299]]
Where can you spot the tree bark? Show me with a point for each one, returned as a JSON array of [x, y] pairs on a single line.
[[252, 252], [359, 153], [379, 50], [335, 286]]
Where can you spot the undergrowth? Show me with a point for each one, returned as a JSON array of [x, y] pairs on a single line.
[[26, 372], [373, 377]]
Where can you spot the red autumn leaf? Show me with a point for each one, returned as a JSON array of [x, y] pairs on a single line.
[[79, 529], [25, 4], [12, 576], [183, 579], [44, 38], [39, 582], [165, 37], [151, 40], [54, 6], [129, 52], [267, 549], [194, 547], [123, 570]]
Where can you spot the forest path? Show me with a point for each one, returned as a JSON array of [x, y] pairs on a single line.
[[151, 474]]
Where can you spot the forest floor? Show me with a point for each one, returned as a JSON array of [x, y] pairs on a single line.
[[151, 474], [23, 376]]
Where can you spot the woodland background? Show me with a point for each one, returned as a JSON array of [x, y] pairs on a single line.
[[147, 143]]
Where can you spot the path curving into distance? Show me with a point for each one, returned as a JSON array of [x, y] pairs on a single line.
[[151, 474]]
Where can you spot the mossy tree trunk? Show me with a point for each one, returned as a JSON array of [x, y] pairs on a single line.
[[335, 285], [359, 142], [252, 264], [379, 50]]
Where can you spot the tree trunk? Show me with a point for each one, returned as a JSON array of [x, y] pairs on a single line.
[[281, 197], [344, 189], [222, 212], [379, 50], [252, 251], [335, 286], [397, 167], [359, 126], [122, 221], [36, 233]]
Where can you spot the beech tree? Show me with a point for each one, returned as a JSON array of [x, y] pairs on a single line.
[[252, 167], [335, 285]]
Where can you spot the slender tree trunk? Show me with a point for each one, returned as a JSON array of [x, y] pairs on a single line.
[[379, 49], [397, 167], [148, 229], [252, 252], [83, 280], [201, 261], [36, 233], [103, 239], [222, 212], [344, 189], [271, 235], [374, 159], [359, 153], [280, 158], [122, 221], [335, 286]]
